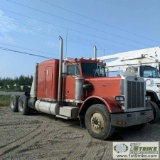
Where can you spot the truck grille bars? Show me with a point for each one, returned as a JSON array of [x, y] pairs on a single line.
[[135, 94], [133, 89]]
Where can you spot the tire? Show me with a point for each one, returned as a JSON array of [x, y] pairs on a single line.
[[23, 105], [98, 123], [14, 103], [156, 112]]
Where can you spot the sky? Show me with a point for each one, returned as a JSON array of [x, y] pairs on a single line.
[[30, 30]]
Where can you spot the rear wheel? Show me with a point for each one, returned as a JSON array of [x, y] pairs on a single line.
[[98, 123], [14, 103], [156, 112], [23, 105]]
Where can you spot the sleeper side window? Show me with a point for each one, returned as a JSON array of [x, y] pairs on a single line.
[[73, 69]]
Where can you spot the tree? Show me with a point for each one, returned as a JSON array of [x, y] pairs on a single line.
[[20, 83]]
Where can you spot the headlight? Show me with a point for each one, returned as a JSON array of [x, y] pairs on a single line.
[[149, 82], [119, 99]]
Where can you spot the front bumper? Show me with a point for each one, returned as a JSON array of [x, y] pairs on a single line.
[[127, 119]]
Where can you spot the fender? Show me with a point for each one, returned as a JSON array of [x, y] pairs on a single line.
[[153, 95], [112, 106]]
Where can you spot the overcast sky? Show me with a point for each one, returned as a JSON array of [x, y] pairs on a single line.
[[32, 27]]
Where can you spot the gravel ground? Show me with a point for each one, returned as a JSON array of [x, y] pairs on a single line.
[[40, 137]]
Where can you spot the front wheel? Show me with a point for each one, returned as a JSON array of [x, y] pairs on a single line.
[[156, 112], [98, 123], [23, 105]]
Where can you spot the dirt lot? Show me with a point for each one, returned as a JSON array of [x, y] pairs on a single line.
[[39, 136]]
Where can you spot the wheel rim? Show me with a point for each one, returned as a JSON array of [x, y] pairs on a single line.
[[21, 105], [97, 122]]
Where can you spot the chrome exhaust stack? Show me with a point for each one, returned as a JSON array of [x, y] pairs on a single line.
[[95, 52], [60, 71]]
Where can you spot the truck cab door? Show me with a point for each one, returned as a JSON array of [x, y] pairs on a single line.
[[69, 81], [48, 82]]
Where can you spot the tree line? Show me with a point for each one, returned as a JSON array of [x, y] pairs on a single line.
[[17, 84]]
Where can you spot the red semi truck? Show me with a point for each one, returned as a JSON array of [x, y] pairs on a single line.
[[79, 88]]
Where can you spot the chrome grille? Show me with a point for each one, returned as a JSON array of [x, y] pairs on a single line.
[[135, 94]]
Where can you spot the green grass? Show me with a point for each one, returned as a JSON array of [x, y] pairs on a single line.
[[4, 100]]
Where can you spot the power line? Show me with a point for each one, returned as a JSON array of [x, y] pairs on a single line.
[[33, 18], [71, 35], [91, 42], [105, 39], [90, 18], [21, 52], [50, 14], [68, 28], [72, 38], [25, 48]]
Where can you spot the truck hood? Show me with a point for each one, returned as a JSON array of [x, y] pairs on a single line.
[[104, 87]]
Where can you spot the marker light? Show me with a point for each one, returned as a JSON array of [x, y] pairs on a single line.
[[121, 122]]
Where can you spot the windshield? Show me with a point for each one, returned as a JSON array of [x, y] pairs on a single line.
[[93, 69], [148, 72]]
